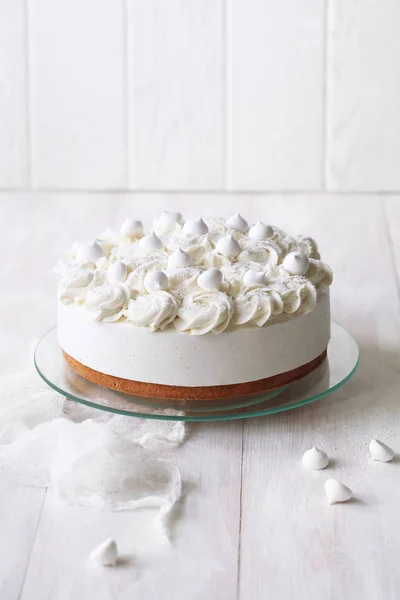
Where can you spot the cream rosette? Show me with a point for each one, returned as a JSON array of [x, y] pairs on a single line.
[[140, 265], [306, 245], [154, 311], [320, 275], [298, 294], [234, 273], [261, 251], [197, 246], [183, 281], [203, 312], [74, 282], [108, 301], [257, 304]]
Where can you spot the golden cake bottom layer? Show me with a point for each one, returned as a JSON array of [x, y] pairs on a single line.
[[173, 392]]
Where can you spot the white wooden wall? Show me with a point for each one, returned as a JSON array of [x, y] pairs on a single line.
[[242, 95]]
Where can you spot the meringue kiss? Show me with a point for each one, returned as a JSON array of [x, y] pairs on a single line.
[[228, 246], [151, 242], [179, 260], [105, 554], [238, 223], [117, 272], [253, 278], [90, 252], [380, 451], [315, 459], [296, 263], [337, 492], [131, 228], [210, 280], [195, 227], [155, 281], [260, 231]]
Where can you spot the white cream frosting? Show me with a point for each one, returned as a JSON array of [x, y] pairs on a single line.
[[257, 275], [155, 311], [107, 301], [202, 312]]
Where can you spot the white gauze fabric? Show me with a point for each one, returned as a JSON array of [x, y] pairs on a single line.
[[89, 457]]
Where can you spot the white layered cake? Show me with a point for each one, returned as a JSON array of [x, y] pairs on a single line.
[[200, 309]]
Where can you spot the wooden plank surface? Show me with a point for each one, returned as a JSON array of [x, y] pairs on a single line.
[[293, 543]]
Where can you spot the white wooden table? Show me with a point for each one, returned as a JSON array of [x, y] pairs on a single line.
[[252, 524]]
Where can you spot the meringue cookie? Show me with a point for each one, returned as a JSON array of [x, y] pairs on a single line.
[[228, 246], [169, 218], [260, 231], [105, 554], [296, 263], [195, 227], [89, 253], [253, 278], [380, 451], [179, 260], [315, 459], [117, 272], [337, 492], [238, 223], [151, 242], [210, 280], [131, 228], [155, 281]]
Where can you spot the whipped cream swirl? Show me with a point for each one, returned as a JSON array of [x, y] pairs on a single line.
[[108, 301], [298, 294], [75, 281], [257, 304], [202, 312], [155, 310]]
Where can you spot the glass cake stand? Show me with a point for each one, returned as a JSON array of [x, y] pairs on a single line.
[[335, 371]]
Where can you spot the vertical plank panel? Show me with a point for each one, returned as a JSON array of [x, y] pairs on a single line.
[[77, 93], [175, 94], [13, 140], [363, 118], [275, 94]]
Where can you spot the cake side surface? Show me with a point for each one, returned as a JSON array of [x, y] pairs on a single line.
[[169, 357]]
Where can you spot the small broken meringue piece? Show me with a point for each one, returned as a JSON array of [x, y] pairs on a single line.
[[105, 554], [315, 459], [337, 492], [380, 451]]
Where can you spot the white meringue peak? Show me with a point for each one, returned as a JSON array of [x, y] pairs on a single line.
[[195, 227], [253, 278], [117, 272], [228, 246], [380, 451], [237, 222], [169, 218], [131, 228], [296, 263], [315, 459], [105, 554], [90, 253], [210, 280], [155, 281], [179, 260], [260, 231], [151, 242], [337, 492]]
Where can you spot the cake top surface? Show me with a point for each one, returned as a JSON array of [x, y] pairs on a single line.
[[200, 275]]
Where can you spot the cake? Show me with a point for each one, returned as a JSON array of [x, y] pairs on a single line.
[[194, 309]]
